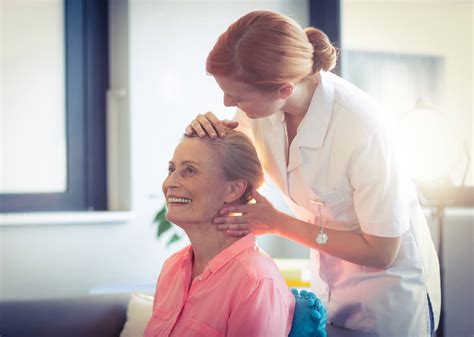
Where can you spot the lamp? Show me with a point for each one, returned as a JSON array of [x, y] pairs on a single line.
[[435, 158]]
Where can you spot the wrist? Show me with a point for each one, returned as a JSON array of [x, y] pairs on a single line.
[[279, 227]]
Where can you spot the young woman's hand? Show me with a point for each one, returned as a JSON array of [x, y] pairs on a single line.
[[259, 218], [209, 125]]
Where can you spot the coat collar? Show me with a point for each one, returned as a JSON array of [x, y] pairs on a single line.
[[276, 142], [310, 134], [312, 131], [314, 126]]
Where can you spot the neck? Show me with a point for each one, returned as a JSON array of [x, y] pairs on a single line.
[[206, 243], [297, 105]]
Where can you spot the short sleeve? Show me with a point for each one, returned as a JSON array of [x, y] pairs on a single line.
[[262, 312], [380, 198]]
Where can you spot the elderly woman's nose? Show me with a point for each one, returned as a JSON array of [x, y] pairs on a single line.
[[171, 181]]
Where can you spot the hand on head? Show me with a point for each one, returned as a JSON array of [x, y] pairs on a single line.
[[209, 125]]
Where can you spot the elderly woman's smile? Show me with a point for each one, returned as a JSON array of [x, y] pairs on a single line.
[[178, 200]]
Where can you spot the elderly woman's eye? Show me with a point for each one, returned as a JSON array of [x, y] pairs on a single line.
[[189, 170], [170, 170]]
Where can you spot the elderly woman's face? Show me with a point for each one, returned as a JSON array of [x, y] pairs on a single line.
[[195, 188]]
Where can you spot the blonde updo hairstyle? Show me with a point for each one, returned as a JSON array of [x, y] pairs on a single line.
[[237, 159], [267, 49]]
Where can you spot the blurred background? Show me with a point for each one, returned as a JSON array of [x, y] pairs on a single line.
[[94, 96]]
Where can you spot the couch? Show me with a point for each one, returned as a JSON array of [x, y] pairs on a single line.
[[88, 316]]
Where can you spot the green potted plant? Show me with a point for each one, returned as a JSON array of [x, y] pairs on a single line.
[[164, 226]]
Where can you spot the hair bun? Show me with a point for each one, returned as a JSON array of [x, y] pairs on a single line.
[[324, 53]]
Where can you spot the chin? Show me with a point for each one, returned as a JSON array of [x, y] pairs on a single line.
[[258, 115], [255, 116], [177, 220]]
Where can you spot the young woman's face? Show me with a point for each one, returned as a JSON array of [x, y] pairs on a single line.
[[195, 189], [255, 103]]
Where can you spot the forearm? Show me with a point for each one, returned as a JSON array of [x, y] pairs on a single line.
[[354, 247]]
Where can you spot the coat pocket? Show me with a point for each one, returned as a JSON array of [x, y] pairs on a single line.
[[333, 204], [337, 210]]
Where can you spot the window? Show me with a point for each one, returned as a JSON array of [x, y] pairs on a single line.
[[83, 186]]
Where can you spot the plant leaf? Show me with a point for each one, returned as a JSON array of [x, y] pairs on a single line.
[[160, 216], [174, 238], [163, 226]]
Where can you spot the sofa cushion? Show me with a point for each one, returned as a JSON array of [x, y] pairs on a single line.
[[139, 313], [89, 316]]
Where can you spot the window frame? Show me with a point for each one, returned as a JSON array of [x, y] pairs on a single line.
[[326, 15], [86, 84]]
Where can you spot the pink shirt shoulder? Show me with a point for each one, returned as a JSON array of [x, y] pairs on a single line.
[[240, 293]]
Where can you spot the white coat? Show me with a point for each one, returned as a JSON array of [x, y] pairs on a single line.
[[341, 156]]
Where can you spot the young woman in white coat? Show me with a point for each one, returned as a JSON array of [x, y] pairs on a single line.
[[321, 140]]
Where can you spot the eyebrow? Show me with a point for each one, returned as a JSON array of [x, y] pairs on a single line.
[[234, 97], [185, 162]]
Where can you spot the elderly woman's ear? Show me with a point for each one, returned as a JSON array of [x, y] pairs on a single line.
[[235, 189]]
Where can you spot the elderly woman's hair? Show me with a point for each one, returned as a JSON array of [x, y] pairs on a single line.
[[238, 159]]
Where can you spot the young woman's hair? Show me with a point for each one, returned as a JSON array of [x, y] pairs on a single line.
[[237, 158], [266, 49]]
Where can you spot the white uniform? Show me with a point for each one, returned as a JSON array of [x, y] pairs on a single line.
[[341, 156]]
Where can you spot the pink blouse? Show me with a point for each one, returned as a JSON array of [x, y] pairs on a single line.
[[240, 293]]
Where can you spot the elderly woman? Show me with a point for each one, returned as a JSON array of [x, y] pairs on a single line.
[[218, 285]]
